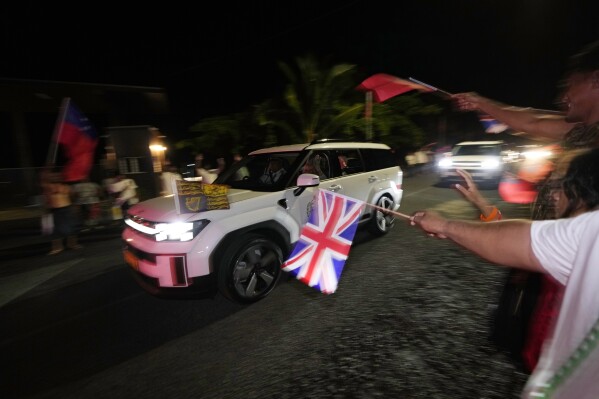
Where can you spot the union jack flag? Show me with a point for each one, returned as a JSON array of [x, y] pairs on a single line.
[[319, 255]]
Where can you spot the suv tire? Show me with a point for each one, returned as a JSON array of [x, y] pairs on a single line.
[[250, 269], [381, 221]]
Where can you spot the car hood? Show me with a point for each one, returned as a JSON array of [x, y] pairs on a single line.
[[162, 209]]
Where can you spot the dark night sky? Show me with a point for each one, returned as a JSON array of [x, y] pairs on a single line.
[[221, 57]]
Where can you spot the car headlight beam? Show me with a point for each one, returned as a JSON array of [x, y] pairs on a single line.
[[177, 231], [490, 164], [445, 163]]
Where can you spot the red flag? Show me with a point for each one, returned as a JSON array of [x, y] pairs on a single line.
[[78, 138], [386, 86]]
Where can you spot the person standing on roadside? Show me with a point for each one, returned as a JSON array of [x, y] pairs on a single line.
[[87, 197], [58, 198], [125, 191], [205, 170], [166, 179]]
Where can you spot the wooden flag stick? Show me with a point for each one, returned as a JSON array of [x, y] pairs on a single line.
[[385, 210]]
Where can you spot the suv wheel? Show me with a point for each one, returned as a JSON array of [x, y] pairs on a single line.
[[382, 222], [250, 268]]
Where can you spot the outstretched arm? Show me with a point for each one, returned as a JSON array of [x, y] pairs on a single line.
[[506, 243], [470, 192], [552, 127]]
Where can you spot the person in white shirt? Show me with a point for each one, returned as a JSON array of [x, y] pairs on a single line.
[[166, 178], [125, 191], [568, 250], [205, 171]]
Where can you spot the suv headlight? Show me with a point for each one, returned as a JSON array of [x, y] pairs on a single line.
[[490, 164], [445, 163], [177, 231]]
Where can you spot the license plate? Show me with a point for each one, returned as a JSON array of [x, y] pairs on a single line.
[[131, 260]]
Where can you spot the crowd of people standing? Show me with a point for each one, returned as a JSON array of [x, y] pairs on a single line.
[[70, 207]]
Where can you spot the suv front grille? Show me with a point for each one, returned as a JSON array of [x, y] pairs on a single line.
[[466, 164]]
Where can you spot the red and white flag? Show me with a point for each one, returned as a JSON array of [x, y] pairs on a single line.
[[323, 247], [385, 86]]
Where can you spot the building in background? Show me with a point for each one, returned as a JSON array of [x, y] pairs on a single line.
[[28, 114], [137, 152]]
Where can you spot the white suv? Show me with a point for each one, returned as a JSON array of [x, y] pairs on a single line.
[[482, 159], [239, 251]]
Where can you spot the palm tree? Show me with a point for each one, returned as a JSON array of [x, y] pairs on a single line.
[[314, 94], [214, 132], [319, 101]]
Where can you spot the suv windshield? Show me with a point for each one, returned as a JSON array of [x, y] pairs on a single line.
[[482, 149], [261, 172]]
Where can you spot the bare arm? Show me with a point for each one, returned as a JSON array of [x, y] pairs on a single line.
[[552, 127], [470, 192], [506, 243]]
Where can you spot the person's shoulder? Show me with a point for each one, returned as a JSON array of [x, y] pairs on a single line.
[[591, 217], [587, 222]]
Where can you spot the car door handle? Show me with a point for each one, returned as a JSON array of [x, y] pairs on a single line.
[[372, 179], [335, 187]]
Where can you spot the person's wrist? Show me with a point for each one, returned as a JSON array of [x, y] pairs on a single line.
[[484, 207], [490, 214], [444, 227]]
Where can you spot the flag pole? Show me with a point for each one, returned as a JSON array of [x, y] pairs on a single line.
[[431, 87], [52, 151]]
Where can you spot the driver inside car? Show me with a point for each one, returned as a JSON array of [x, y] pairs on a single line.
[[273, 172]]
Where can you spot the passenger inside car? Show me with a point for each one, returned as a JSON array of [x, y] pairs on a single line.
[[314, 165]]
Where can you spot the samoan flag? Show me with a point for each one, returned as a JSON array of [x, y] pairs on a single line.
[[385, 86], [319, 255], [79, 139], [491, 125]]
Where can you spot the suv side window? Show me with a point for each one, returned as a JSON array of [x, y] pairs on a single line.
[[349, 162], [316, 162], [375, 159]]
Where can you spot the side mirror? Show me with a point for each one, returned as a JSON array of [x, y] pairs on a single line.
[[306, 180]]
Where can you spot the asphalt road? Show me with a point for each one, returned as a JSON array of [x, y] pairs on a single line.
[[410, 319]]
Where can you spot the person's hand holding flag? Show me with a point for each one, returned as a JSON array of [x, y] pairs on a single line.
[[466, 101]]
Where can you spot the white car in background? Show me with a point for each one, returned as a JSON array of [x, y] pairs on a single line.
[[484, 160], [239, 251]]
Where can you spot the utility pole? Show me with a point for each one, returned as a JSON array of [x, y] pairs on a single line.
[[368, 115]]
